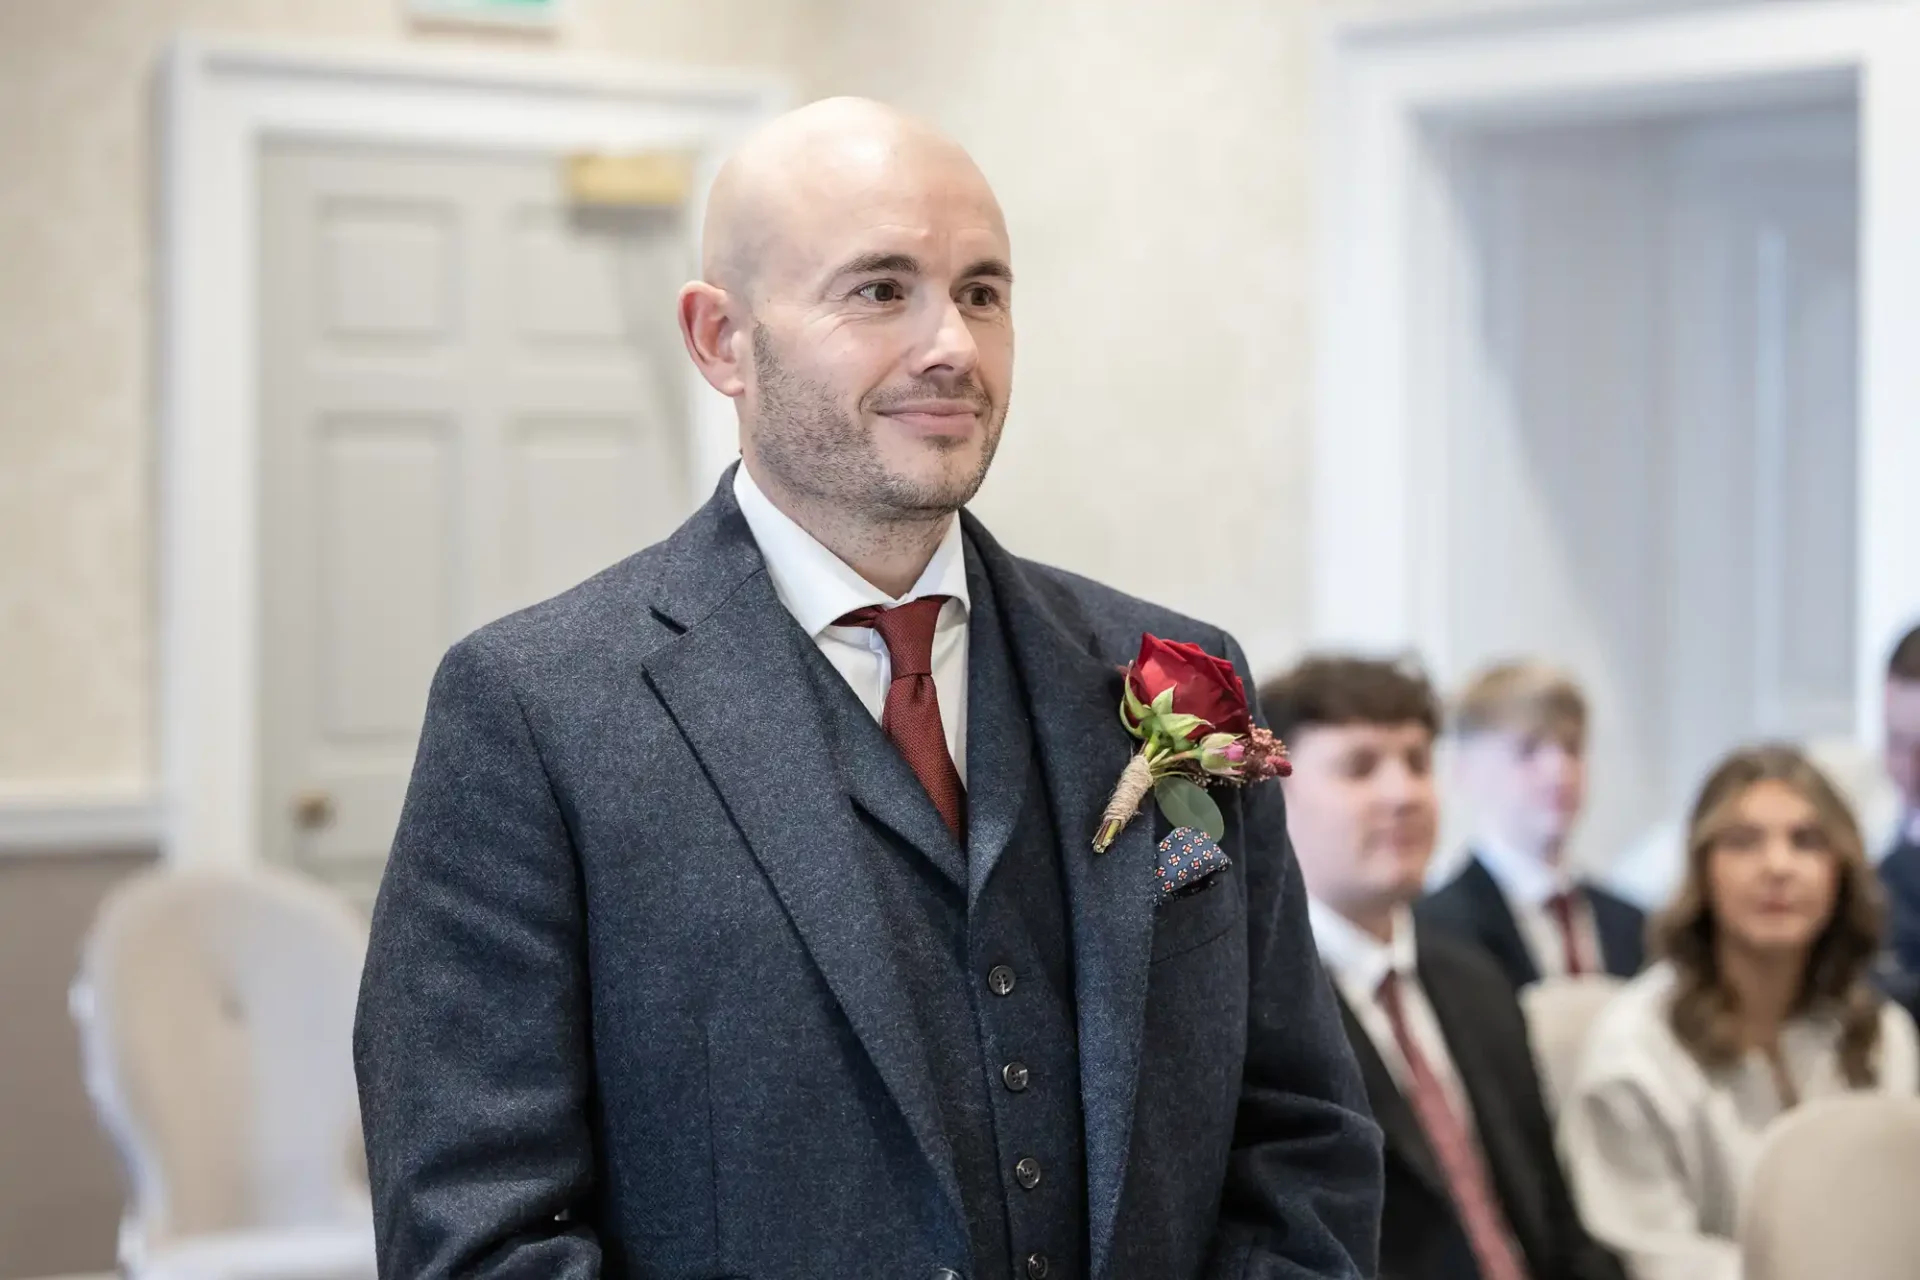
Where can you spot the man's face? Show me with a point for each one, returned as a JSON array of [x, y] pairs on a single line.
[[883, 337], [1527, 787], [1363, 812], [1903, 739]]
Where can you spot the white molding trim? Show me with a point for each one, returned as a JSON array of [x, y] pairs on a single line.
[[78, 818], [219, 101], [1379, 568]]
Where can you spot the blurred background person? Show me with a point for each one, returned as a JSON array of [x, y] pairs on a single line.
[[1900, 869], [1474, 1189], [1520, 731], [1760, 1002]]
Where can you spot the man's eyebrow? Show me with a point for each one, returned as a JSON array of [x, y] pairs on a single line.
[[907, 265], [988, 269], [869, 263]]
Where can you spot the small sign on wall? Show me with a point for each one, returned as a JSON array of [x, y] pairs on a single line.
[[524, 15]]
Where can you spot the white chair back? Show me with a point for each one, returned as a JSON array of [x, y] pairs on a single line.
[[216, 1017], [1832, 1193], [1560, 1012]]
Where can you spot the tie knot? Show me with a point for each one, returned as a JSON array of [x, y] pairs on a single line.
[[1388, 993], [907, 631]]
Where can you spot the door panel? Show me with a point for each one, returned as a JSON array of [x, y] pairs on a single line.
[[471, 401], [1651, 463]]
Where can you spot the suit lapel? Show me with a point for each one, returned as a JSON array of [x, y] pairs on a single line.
[[876, 776], [1074, 696], [1621, 946], [999, 742], [736, 684], [1391, 1110], [1502, 932]]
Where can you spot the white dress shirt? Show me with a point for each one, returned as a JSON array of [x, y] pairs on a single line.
[[1528, 884], [1358, 962], [1659, 1150], [817, 587]]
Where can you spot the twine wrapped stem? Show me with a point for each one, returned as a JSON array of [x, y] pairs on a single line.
[[1135, 784]]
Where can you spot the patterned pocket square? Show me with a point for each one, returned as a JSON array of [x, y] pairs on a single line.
[[1187, 859]]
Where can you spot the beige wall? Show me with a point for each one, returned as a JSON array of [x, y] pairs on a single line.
[[1155, 163], [77, 515], [60, 1191]]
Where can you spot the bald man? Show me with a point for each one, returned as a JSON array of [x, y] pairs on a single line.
[[743, 919]]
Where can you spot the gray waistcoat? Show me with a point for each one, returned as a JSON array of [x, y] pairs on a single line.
[[967, 927]]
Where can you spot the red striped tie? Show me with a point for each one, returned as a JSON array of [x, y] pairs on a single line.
[[912, 716], [1488, 1234]]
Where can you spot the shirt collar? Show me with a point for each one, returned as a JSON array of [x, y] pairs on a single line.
[[818, 587], [1357, 958], [1525, 879]]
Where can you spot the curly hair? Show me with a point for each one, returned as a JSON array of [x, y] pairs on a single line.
[[1704, 1015]]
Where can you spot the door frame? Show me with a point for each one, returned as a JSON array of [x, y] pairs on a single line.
[[219, 103], [1380, 571]]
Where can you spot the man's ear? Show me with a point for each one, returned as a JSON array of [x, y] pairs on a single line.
[[713, 336]]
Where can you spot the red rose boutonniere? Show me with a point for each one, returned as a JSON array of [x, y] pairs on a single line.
[[1189, 710]]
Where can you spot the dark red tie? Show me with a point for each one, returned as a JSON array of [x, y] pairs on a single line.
[[912, 716], [1561, 905], [1488, 1234]]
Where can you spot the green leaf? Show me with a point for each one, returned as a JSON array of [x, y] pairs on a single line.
[[1186, 804], [1178, 728], [1164, 703], [1132, 700]]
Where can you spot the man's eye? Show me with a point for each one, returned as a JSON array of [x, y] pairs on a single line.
[[879, 291], [982, 295]]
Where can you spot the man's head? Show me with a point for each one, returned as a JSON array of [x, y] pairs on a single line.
[[1521, 733], [856, 304], [1361, 804], [1903, 719]]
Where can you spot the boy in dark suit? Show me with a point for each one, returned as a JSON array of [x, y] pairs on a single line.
[[1900, 869], [1521, 732], [1474, 1189]]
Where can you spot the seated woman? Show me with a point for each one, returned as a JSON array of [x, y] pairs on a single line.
[[1761, 1001]]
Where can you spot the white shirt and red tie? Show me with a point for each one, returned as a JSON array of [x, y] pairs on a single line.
[[1554, 915], [905, 658], [1380, 982]]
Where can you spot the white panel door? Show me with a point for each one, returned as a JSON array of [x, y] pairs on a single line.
[[1652, 438], [1555, 529], [469, 404], [1763, 375]]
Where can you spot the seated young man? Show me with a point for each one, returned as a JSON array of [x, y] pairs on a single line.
[[1900, 869], [1474, 1190], [1520, 730]]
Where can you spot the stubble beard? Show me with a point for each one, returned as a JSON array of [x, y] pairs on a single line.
[[815, 450]]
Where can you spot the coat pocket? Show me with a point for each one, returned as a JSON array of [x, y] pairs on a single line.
[[1192, 920]]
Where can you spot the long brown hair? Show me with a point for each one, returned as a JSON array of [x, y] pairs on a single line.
[[1704, 1015]]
